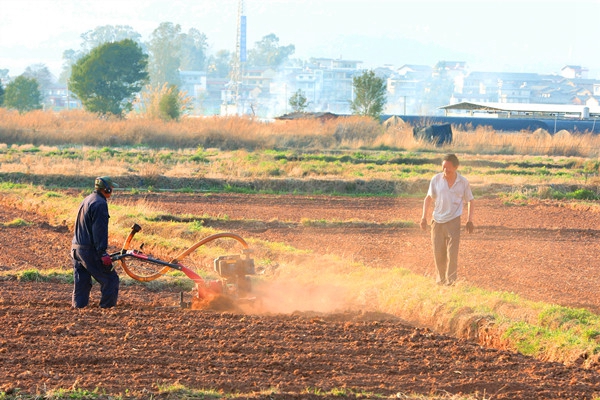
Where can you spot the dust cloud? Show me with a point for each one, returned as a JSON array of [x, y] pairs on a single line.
[[306, 287], [284, 297]]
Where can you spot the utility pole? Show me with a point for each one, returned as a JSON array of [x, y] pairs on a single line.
[[239, 58]]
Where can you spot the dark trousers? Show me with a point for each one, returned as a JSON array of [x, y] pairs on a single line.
[[445, 239], [87, 265]]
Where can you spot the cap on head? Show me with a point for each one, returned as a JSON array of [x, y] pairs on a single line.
[[106, 183]]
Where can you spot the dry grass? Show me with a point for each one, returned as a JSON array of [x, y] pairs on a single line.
[[487, 141], [81, 128], [78, 127]]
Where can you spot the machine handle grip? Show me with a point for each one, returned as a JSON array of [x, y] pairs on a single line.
[[134, 229]]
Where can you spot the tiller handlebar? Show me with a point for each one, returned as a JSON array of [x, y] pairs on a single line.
[[233, 270]]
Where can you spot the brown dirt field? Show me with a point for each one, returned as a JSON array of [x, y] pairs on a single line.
[[544, 251]]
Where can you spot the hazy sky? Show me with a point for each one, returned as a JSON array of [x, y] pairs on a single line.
[[489, 35]]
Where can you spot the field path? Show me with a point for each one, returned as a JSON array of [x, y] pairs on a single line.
[[542, 251]]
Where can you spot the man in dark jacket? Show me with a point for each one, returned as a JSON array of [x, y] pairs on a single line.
[[88, 249]]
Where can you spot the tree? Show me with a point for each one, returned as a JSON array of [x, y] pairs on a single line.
[[1, 94], [268, 53], [42, 75], [70, 57], [171, 51], [298, 101], [23, 94], [369, 94], [107, 79], [165, 60], [108, 34], [94, 38], [193, 51]]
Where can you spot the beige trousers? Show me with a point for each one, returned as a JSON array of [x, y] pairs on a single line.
[[445, 239]]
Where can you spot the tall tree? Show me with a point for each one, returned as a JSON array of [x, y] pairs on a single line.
[[369, 94], [165, 52], [108, 34], [94, 38], [1, 94], [193, 51], [23, 94], [268, 53], [70, 57], [41, 73], [107, 79], [43, 76]]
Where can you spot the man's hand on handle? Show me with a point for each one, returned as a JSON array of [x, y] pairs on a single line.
[[106, 260], [469, 227]]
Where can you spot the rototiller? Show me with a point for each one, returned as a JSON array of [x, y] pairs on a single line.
[[234, 270]]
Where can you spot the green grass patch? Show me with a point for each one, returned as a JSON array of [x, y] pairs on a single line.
[[35, 275], [75, 394], [324, 223], [172, 281], [7, 185], [16, 223], [549, 192], [31, 275]]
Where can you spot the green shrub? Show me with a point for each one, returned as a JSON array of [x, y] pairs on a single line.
[[583, 194]]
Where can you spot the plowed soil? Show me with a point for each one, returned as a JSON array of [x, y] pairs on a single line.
[[543, 251]]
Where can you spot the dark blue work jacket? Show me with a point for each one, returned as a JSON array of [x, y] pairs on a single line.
[[91, 226]]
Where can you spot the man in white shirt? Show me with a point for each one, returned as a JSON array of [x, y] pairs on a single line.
[[449, 191]]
